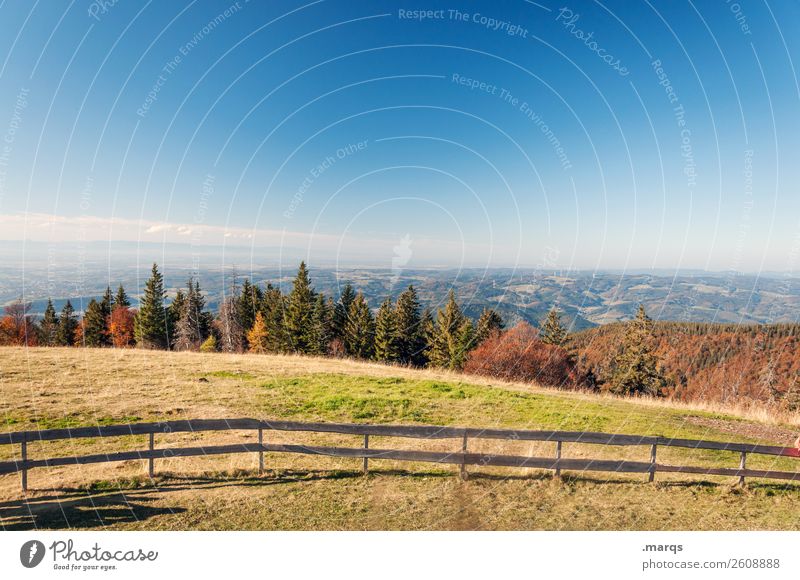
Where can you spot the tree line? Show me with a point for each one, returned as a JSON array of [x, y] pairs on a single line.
[[257, 319], [252, 318]]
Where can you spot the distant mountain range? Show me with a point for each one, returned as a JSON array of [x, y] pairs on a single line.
[[587, 298]]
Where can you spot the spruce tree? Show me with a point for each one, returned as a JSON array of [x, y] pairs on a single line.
[[299, 311], [466, 337], [67, 325], [121, 298], [94, 325], [636, 368], [257, 335], [552, 331], [452, 336], [193, 324], [273, 307], [427, 329], [186, 332], [175, 310], [342, 308], [386, 336], [198, 305], [49, 325], [410, 333], [321, 331], [150, 324], [249, 302], [359, 336], [489, 323], [106, 305]]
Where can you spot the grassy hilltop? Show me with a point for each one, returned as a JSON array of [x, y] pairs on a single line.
[[48, 388]]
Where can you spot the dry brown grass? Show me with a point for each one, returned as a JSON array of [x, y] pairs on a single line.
[[128, 382], [60, 387]]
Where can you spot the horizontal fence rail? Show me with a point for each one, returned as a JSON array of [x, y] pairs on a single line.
[[461, 457]]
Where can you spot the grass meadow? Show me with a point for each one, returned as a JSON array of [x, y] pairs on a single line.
[[44, 388]]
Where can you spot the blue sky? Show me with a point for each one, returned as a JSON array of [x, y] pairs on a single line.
[[471, 133]]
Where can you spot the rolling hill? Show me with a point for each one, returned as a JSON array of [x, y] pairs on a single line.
[[49, 388], [587, 299]]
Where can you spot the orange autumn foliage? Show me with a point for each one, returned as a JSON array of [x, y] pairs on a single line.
[[120, 327], [518, 355]]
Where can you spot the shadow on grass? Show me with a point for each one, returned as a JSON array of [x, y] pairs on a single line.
[[757, 487], [79, 511], [109, 502], [105, 503]]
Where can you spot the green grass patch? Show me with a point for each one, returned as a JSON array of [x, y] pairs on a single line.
[[68, 421], [334, 397], [345, 398]]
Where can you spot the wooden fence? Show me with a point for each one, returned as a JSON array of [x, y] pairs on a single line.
[[461, 457]]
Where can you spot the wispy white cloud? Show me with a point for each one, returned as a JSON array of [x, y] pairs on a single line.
[[55, 228], [377, 248]]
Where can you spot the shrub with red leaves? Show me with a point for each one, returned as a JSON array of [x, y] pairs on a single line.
[[518, 355]]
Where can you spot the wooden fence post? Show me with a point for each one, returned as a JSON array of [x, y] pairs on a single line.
[[464, 450], [652, 476], [366, 459], [151, 461], [558, 458], [742, 462], [24, 466], [260, 451]]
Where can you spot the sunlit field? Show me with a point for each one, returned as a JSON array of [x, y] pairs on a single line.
[[52, 388]]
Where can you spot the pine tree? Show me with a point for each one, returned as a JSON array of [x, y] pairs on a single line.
[[121, 298], [635, 368], [552, 331], [466, 337], [299, 311], [257, 335], [198, 305], [94, 325], [106, 305], [427, 328], [49, 325], [410, 333], [249, 302], [359, 333], [273, 307], [489, 323], [174, 312], [67, 325], [342, 308], [150, 325], [191, 328], [321, 331], [452, 336], [386, 336]]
